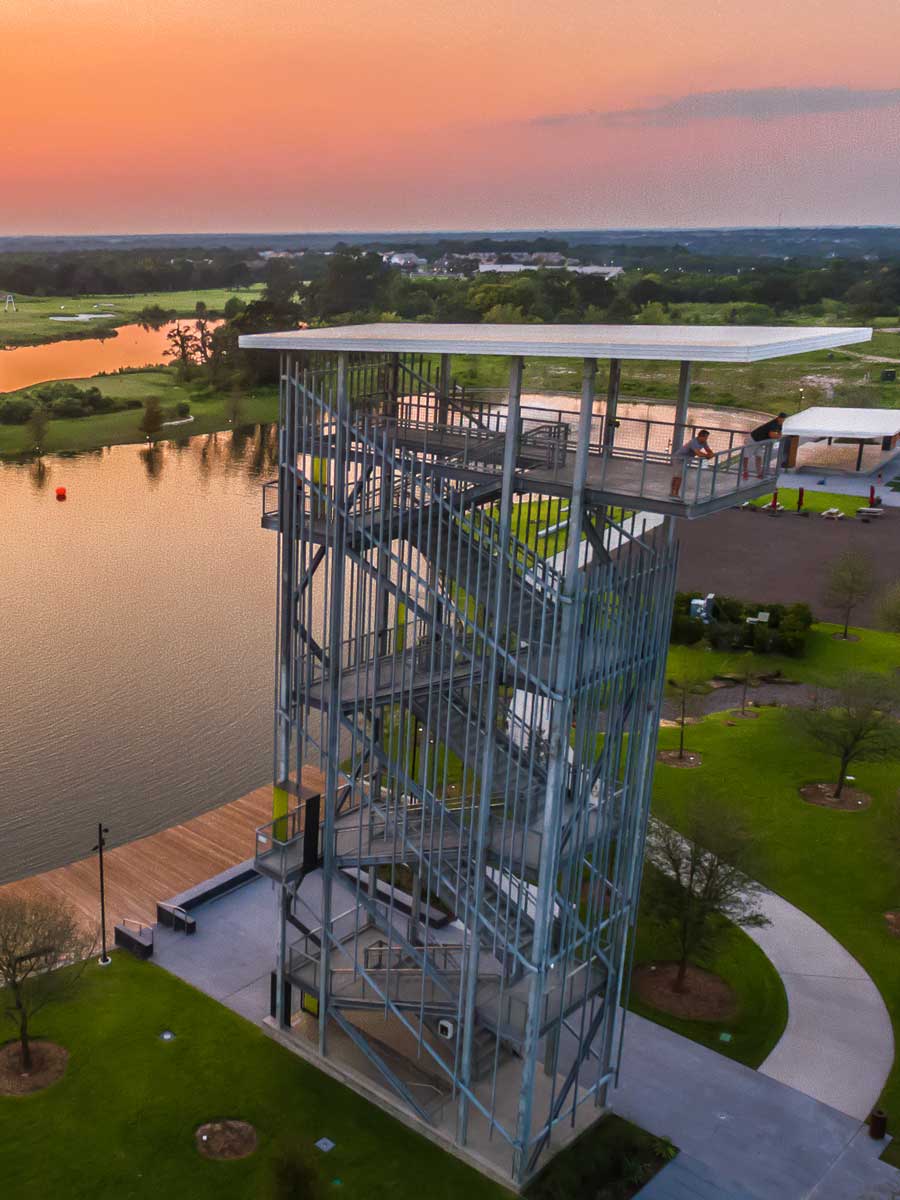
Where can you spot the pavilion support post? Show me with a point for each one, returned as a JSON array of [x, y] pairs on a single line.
[[859, 454], [612, 402], [444, 390], [557, 765], [681, 406], [473, 950], [337, 539]]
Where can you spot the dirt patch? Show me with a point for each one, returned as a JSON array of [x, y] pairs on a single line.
[[226, 1139], [746, 715], [707, 997], [823, 794], [839, 637], [47, 1066], [671, 758], [892, 920]]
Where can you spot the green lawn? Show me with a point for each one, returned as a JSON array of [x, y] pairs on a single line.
[[815, 502], [209, 409], [762, 1003], [826, 657], [121, 1122], [838, 867], [31, 324]]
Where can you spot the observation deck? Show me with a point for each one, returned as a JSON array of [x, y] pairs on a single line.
[[629, 460]]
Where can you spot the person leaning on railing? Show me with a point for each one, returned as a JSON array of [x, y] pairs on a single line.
[[769, 431], [697, 447]]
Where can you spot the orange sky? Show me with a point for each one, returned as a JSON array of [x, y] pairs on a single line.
[[255, 114]]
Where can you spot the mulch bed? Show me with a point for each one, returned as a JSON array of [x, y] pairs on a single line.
[[839, 637], [226, 1139], [823, 794], [48, 1064], [707, 997], [671, 759], [747, 715], [892, 920]]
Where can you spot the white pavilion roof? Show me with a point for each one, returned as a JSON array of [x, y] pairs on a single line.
[[694, 343], [844, 423]]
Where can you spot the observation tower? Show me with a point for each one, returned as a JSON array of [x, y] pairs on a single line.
[[474, 606]]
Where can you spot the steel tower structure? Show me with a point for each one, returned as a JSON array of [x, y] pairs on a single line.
[[474, 608]]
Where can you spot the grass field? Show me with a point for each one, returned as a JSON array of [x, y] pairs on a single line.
[[121, 1122], [826, 658], [31, 324], [815, 502], [209, 409], [840, 868]]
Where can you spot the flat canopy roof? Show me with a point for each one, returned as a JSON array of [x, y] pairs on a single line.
[[844, 423], [694, 343]]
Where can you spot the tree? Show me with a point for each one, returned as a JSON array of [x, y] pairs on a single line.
[[889, 608], [856, 722], [685, 687], [152, 420], [695, 885], [36, 427], [850, 581], [37, 937], [184, 347], [744, 673]]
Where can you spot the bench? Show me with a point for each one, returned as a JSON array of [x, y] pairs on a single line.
[[176, 918], [870, 512], [832, 514]]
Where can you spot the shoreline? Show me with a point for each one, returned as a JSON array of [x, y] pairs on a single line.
[[145, 870]]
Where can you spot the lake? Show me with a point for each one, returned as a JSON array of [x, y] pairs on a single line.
[[137, 641], [132, 346]]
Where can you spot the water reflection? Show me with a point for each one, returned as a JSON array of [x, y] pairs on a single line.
[[146, 603], [131, 346]]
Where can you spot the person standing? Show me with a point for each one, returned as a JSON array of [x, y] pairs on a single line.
[[769, 431], [697, 447]]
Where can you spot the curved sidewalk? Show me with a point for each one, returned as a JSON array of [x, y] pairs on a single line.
[[838, 1044]]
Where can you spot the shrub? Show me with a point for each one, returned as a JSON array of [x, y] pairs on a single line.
[[686, 631], [133, 404], [801, 613], [728, 609], [16, 410], [727, 635], [183, 409]]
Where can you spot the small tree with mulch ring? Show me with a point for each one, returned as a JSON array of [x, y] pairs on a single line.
[[695, 884], [856, 722], [37, 937], [851, 578], [686, 687]]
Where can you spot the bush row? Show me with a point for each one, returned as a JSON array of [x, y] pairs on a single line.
[[728, 629], [67, 400]]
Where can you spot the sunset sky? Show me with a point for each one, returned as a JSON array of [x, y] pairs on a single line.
[[122, 116]]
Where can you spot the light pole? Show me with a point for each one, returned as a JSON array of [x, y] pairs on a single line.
[[105, 960]]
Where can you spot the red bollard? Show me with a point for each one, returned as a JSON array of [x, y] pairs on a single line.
[[60, 493], [872, 496], [774, 503], [800, 492]]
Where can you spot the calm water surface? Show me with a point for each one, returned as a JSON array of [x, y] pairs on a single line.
[[136, 644], [132, 346]]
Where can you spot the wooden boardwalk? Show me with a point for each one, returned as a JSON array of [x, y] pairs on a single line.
[[153, 868]]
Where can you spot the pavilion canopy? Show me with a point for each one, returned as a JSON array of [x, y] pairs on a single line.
[[671, 343], [855, 423]]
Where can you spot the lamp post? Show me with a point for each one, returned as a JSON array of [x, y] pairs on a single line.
[[105, 960]]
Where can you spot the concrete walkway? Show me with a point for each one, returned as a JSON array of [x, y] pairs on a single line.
[[838, 1045], [753, 1136]]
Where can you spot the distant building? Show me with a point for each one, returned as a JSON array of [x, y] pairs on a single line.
[[513, 268], [405, 261]]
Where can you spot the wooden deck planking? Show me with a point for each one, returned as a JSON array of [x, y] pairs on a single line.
[[153, 868]]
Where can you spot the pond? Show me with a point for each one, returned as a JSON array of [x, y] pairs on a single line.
[[137, 641], [80, 358]]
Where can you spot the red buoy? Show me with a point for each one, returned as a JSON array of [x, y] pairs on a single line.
[[60, 493]]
